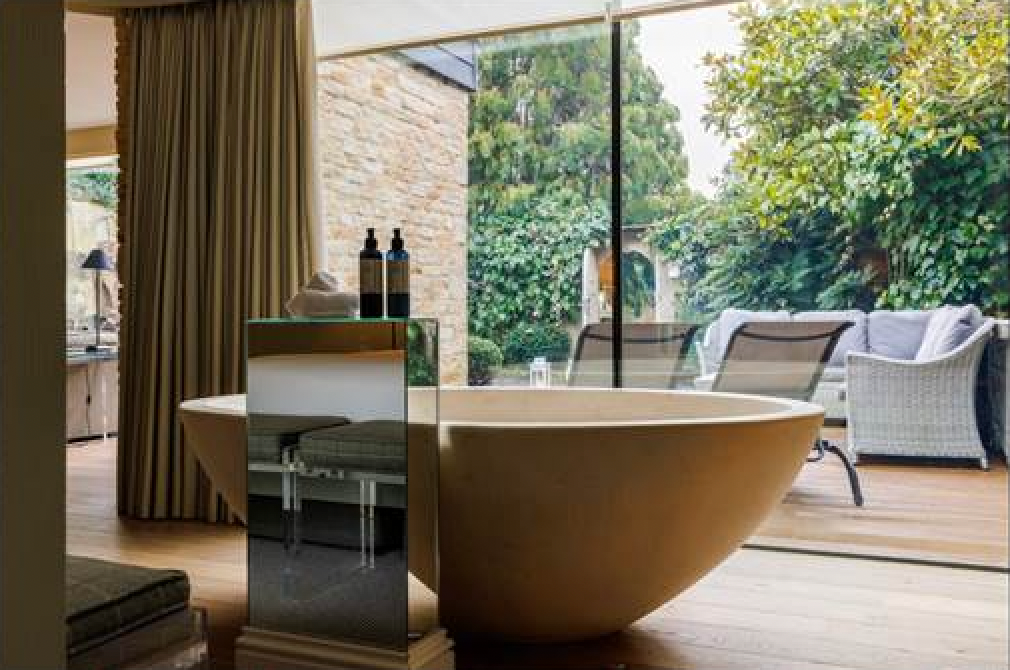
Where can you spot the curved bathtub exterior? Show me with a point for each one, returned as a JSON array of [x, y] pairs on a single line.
[[216, 430], [553, 532], [568, 514]]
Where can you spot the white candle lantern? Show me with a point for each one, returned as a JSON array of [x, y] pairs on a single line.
[[540, 372]]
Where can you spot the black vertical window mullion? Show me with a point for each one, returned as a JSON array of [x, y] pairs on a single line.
[[616, 169]]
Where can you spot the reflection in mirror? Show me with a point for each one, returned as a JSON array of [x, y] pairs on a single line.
[[328, 471]]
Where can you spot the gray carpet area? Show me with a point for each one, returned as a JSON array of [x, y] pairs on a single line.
[[324, 592]]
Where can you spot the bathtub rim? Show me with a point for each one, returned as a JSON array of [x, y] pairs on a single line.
[[790, 409], [786, 408], [207, 405]]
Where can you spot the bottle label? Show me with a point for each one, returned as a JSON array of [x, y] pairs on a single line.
[[371, 275], [397, 277]]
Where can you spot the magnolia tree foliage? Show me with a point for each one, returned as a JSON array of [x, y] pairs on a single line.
[[859, 124], [540, 170]]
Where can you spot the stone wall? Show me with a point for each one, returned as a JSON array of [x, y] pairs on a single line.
[[393, 155]]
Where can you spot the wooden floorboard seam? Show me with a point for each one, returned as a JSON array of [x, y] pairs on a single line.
[[856, 556]]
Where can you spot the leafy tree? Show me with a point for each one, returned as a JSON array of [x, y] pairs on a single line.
[[952, 72], [541, 125], [731, 261], [860, 124], [540, 121], [946, 215], [654, 167], [540, 170]]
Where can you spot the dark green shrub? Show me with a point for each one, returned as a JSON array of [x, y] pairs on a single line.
[[483, 357], [526, 342], [422, 357]]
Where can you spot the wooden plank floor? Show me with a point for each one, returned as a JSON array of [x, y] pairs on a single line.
[[758, 610], [213, 554], [946, 511], [775, 611]]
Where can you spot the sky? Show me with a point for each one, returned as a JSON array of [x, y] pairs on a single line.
[[673, 46]]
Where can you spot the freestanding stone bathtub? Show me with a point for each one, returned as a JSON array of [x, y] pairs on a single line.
[[567, 514]]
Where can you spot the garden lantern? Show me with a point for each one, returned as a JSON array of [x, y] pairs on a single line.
[[540, 373]]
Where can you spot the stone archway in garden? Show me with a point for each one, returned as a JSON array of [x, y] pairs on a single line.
[[597, 281]]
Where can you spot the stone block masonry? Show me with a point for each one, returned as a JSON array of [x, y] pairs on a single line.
[[393, 150]]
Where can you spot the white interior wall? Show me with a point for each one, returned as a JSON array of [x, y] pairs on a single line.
[[90, 71], [358, 387]]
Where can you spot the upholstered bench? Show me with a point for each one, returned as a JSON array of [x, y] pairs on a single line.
[[371, 454], [271, 443], [126, 616], [270, 434], [369, 446]]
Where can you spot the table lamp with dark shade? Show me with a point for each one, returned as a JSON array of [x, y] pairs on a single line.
[[97, 260]]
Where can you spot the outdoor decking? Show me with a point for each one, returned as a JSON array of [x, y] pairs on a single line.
[[761, 609], [945, 511]]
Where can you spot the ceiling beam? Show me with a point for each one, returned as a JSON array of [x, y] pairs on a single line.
[[91, 142]]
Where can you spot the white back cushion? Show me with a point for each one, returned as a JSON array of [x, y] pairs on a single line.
[[896, 334], [853, 339], [949, 328]]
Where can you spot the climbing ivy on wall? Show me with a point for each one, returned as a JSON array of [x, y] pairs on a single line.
[[525, 263]]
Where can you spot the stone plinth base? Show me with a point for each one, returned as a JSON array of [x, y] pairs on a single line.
[[259, 649]]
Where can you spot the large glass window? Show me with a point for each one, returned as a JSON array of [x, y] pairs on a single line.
[[91, 225], [493, 158], [789, 164], [540, 279], [823, 177]]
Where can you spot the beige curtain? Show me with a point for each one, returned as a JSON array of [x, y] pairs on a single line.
[[217, 219]]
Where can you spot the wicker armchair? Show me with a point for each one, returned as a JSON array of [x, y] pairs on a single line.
[[917, 408]]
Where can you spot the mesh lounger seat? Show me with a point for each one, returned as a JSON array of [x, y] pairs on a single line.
[[653, 353], [369, 446], [270, 434], [128, 616], [785, 359]]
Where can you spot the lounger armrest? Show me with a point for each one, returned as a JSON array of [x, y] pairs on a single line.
[[705, 346]]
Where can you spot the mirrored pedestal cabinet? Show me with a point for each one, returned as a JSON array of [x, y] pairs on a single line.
[[343, 492]]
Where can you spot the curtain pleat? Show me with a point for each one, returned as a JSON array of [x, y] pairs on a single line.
[[217, 220]]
